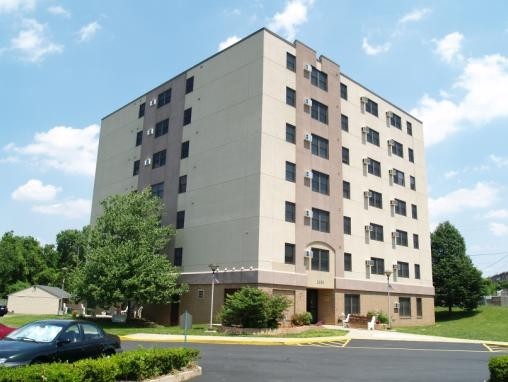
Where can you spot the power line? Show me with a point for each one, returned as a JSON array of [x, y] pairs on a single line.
[[488, 254]]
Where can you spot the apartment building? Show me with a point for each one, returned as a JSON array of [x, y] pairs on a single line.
[[285, 173]]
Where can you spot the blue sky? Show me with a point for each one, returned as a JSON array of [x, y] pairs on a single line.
[[65, 65]]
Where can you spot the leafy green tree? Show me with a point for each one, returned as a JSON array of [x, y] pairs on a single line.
[[71, 245], [125, 262], [456, 280]]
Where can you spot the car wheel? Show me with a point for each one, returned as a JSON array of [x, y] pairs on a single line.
[[108, 353]]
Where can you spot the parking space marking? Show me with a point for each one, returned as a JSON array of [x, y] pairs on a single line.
[[418, 349], [495, 348], [329, 344]]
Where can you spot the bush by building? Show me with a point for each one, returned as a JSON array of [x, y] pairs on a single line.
[[301, 319], [498, 367]]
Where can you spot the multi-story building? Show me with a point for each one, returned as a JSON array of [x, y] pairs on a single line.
[[287, 174]]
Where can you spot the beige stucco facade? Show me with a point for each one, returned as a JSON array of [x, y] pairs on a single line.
[[33, 300]]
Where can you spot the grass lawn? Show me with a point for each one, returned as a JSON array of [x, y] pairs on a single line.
[[486, 323]]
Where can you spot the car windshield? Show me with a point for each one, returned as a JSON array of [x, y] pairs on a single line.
[[36, 332]]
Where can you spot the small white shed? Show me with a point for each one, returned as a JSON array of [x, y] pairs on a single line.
[[38, 299]]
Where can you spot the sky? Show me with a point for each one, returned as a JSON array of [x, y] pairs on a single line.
[[65, 65]]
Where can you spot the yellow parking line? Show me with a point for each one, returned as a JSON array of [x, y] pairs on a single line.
[[345, 343], [488, 348]]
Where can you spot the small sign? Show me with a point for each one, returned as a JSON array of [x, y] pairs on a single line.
[[185, 321]]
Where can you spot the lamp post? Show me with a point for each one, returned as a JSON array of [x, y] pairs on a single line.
[[388, 273], [213, 268], [64, 269]]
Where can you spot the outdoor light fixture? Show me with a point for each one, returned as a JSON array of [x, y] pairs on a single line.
[[388, 273], [214, 268]]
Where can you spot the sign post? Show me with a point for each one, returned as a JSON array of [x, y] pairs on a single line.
[[185, 324]]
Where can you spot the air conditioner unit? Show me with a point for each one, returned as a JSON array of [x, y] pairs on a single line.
[[396, 305], [153, 102], [364, 99], [395, 235], [149, 131], [367, 194], [307, 137], [308, 174], [369, 263], [366, 161], [395, 267], [390, 172], [393, 203], [307, 101], [308, 213], [391, 142], [307, 67], [389, 114], [148, 161], [365, 130], [309, 253], [368, 228]]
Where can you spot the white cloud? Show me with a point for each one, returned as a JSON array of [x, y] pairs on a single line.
[[451, 174], [71, 150], [8, 6], [87, 32], [228, 42], [373, 50], [449, 47], [70, 209], [481, 196], [294, 14], [32, 43], [59, 11], [499, 229], [414, 15], [497, 214], [34, 190], [499, 161]]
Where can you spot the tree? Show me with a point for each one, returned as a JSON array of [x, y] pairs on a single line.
[[456, 280], [125, 262], [71, 246]]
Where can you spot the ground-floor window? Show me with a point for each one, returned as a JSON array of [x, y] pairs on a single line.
[[404, 307], [352, 304], [419, 309]]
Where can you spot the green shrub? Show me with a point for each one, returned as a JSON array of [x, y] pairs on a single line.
[[300, 319], [498, 367], [380, 316], [253, 308]]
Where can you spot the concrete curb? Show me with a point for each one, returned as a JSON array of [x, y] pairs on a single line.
[[179, 376]]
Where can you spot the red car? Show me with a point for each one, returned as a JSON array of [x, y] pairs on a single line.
[[4, 330]]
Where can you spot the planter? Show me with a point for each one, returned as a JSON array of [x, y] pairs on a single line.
[[179, 376]]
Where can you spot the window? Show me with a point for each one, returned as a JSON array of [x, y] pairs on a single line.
[[290, 212], [189, 85], [290, 97], [372, 136], [375, 199], [91, 332], [177, 260], [180, 219], [395, 121], [374, 167], [158, 190], [319, 146], [412, 182], [351, 304], [187, 116], [161, 128], [343, 91], [141, 111], [409, 128], [290, 172], [319, 79], [185, 150], [417, 271], [139, 138], [401, 237], [320, 260], [344, 122], [289, 253], [419, 310], [71, 334], [135, 170], [345, 155], [400, 207], [403, 269], [414, 211], [347, 262], [182, 184], [397, 148], [320, 220], [291, 62], [347, 225], [411, 155], [371, 107], [398, 177], [378, 267], [416, 241], [164, 98], [319, 111], [376, 232], [404, 307], [320, 182], [159, 159], [290, 133], [346, 190]]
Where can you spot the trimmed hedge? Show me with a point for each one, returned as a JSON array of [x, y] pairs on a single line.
[[498, 367], [134, 365]]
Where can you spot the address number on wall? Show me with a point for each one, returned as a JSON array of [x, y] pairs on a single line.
[[320, 282]]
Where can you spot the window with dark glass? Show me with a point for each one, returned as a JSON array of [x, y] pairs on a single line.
[[319, 79], [414, 211], [141, 111], [373, 136], [180, 219], [374, 167], [320, 260], [411, 155], [320, 220], [135, 170], [419, 308], [344, 122], [375, 199], [371, 107], [395, 121], [347, 262], [320, 182], [378, 267], [351, 304], [290, 133], [347, 225], [158, 189], [376, 232], [346, 190], [159, 159], [397, 148], [343, 91], [139, 138], [416, 241], [290, 172], [401, 237], [177, 261], [398, 177], [403, 269], [319, 111], [189, 85], [164, 98], [409, 128], [187, 116], [290, 212], [289, 253], [319, 146], [412, 182], [345, 155], [400, 207], [404, 307], [417, 271], [290, 97], [161, 128], [291, 62], [182, 184], [184, 153]]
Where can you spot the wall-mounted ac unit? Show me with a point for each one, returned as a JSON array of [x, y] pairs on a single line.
[[369, 263], [368, 228], [308, 213], [366, 161], [390, 172], [365, 130], [391, 142], [307, 102], [149, 131], [393, 203], [148, 161], [308, 174], [395, 267], [307, 67], [395, 235], [307, 137], [364, 99], [153, 102], [389, 114], [396, 305], [367, 194], [309, 253]]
